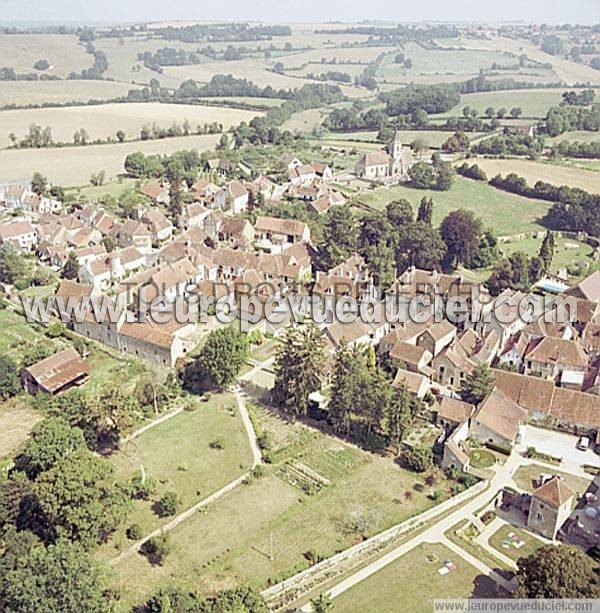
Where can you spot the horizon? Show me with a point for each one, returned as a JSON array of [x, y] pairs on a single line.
[[584, 12]]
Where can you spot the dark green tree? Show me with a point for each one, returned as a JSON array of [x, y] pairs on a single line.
[[462, 232], [558, 571], [224, 355], [10, 384], [71, 268], [547, 248], [56, 579], [51, 440], [477, 385], [339, 237], [298, 366], [79, 499], [425, 213]]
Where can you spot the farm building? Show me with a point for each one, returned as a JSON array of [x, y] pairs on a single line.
[[56, 373]]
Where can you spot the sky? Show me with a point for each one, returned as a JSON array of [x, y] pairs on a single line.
[[282, 11]]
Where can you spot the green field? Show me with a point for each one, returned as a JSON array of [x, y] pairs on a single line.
[[503, 212], [412, 582], [178, 454], [579, 136], [466, 62], [230, 542], [531, 543], [534, 103]]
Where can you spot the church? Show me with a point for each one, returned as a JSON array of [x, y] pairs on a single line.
[[386, 166]]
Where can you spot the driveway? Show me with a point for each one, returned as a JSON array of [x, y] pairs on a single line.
[[560, 445]]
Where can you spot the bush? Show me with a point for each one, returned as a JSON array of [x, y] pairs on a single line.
[[134, 532], [156, 549], [419, 459], [169, 504]]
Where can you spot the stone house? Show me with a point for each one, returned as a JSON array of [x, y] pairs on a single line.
[[550, 507]]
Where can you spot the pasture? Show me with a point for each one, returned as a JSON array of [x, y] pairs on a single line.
[[23, 93], [543, 171], [579, 136], [504, 213], [567, 71], [63, 51], [74, 165], [412, 582], [319, 495], [104, 120], [533, 102], [463, 62]]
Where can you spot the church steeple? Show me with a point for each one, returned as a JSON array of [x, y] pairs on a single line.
[[396, 148]]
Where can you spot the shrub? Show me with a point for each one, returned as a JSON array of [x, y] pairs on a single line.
[[156, 549], [419, 459], [134, 532], [169, 504]]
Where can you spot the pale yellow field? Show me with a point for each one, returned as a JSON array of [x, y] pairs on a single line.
[[252, 69], [304, 121], [550, 173], [102, 121], [40, 92], [63, 52], [74, 165], [340, 54]]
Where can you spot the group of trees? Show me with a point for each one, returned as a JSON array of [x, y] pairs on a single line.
[[578, 149], [566, 117], [429, 98], [364, 402], [474, 171], [58, 503], [438, 175], [391, 241], [519, 272], [510, 144]]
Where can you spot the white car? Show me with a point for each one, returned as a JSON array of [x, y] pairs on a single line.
[[583, 443]]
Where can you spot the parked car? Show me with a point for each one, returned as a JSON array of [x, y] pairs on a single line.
[[583, 443]]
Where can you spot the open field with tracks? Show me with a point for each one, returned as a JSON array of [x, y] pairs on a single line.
[[103, 121], [319, 494], [504, 213], [74, 165], [544, 171]]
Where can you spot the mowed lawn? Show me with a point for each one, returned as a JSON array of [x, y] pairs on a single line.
[[182, 454], [412, 583], [526, 475], [504, 213], [104, 120], [230, 543], [544, 171], [532, 544], [567, 251], [71, 166]]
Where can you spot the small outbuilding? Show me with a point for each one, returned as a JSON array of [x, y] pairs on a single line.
[[56, 373]]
